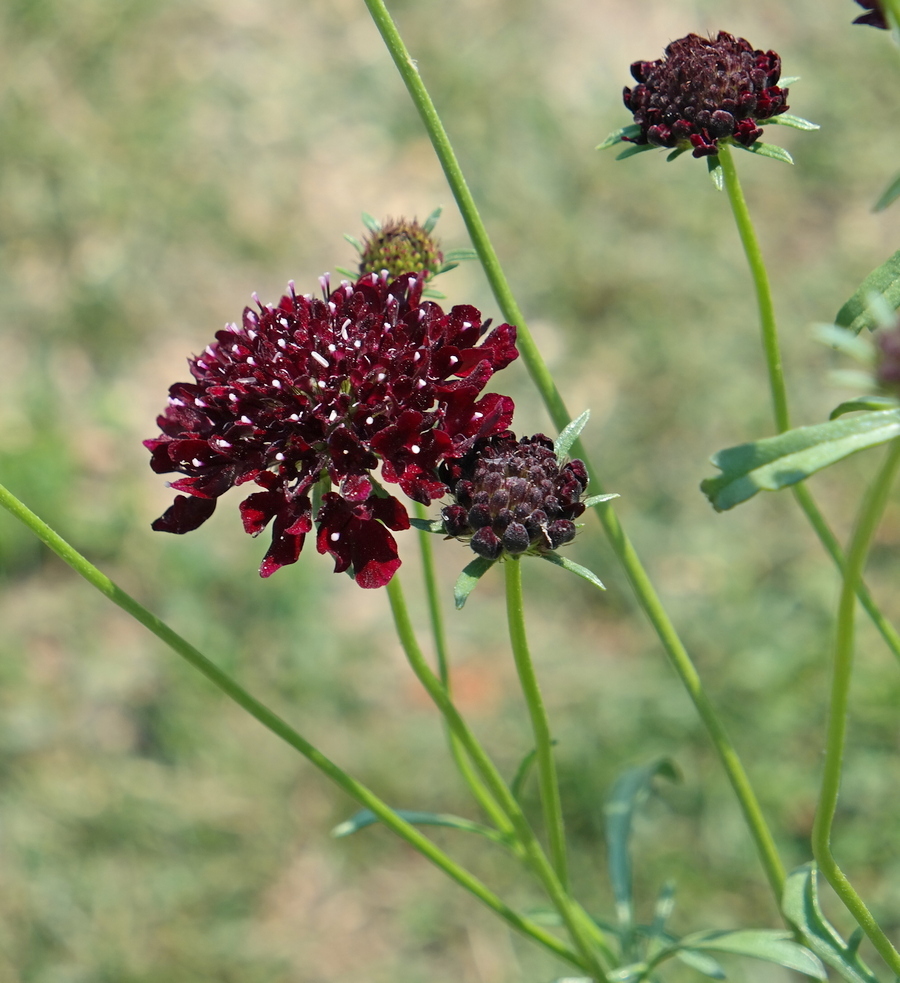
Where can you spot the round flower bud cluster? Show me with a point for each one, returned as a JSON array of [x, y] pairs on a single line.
[[705, 90], [400, 246], [512, 496]]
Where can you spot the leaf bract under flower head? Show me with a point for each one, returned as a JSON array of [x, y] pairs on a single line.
[[368, 375]]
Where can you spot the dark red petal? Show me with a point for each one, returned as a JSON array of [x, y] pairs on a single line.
[[185, 514]]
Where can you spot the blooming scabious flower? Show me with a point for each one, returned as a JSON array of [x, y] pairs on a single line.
[[399, 246], [876, 16], [512, 496], [704, 91], [329, 389]]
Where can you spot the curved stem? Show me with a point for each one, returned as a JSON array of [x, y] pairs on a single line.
[[534, 855], [556, 407], [280, 728], [463, 764], [540, 725], [769, 331], [866, 524]]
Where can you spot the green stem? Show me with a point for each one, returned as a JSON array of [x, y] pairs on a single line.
[[540, 725], [463, 764], [767, 323], [556, 407], [769, 331], [866, 524], [534, 855], [283, 730]]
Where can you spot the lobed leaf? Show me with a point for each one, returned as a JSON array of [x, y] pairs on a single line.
[[768, 150], [573, 567], [778, 462], [618, 136], [864, 403], [800, 904], [629, 790], [569, 434], [770, 945], [890, 194], [797, 122], [884, 282], [366, 818], [467, 580], [428, 525]]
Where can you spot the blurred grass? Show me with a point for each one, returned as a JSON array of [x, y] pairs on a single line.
[[161, 161]]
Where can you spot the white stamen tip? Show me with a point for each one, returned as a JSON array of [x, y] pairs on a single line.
[[334, 537], [415, 449], [320, 359]]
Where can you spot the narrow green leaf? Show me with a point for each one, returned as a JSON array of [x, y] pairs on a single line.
[[884, 281], [593, 500], [701, 962], [354, 242], [617, 136], [662, 910], [785, 82], [770, 945], [716, 174], [800, 904], [797, 122], [778, 462], [428, 525], [768, 150], [845, 342], [573, 567], [570, 433], [890, 194], [366, 818], [460, 255], [467, 580], [864, 403], [629, 790], [640, 148], [430, 222], [352, 274], [371, 223], [676, 153]]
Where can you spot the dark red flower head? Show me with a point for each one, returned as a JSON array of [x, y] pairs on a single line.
[[703, 91], [330, 389], [887, 371], [400, 246], [876, 16], [513, 496]]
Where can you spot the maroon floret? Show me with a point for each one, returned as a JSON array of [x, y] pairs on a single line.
[[876, 16], [330, 389]]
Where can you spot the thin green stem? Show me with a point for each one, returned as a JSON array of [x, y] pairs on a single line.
[[757, 265], [482, 796], [280, 728], [866, 524], [769, 332], [534, 855], [556, 407], [540, 724]]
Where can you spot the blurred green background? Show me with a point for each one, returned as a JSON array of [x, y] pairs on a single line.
[[159, 162]]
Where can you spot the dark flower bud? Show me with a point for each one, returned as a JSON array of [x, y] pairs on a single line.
[[888, 370], [703, 91], [532, 501]]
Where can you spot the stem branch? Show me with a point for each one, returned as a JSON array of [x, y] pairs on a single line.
[[869, 516], [540, 725]]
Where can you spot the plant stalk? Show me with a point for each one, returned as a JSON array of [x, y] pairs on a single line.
[[280, 728], [540, 724], [869, 517], [640, 582], [534, 854]]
